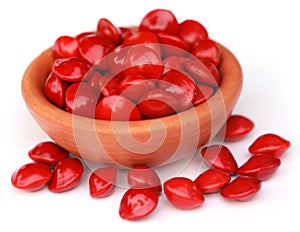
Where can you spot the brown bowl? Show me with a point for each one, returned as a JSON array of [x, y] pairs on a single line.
[[152, 142]]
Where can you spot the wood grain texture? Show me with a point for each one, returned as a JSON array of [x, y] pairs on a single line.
[[152, 142]]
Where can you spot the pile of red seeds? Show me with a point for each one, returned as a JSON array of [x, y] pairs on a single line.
[[79, 66], [53, 167], [160, 68]]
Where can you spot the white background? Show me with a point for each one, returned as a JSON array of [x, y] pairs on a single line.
[[264, 35]]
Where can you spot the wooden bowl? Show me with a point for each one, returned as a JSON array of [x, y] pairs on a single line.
[[152, 142]]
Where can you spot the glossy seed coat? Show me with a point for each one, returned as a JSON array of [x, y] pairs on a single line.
[[271, 144], [212, 180], [117, 107], [183, 193], [31, 177], [141, 175], [236, 128], [220, 157], [159, 20], [242, 188], [66, 175], [138, 203], [47, 152], [102, 182], [260, 166]]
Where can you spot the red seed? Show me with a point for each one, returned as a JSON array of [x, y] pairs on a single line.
[[146, 38], [203, 93], [135, 86], [117, 107], [48, 153], [212, 180], [102, 182], [116, 59], [81, 99], [203, 72], [137, 203], [181, 86], [236, 127], [144, 61], [106, 30], [65, 47], [159, 20], [157, 103], [192, 31], [220, 157], [141, 176], [105, 84], [172, 45], [125, 32], [260, 166], [84, 34], [271, 144], [242, 188], [174, 62], [183, 193], [93, 48], [66, 175], [207, 50], [31, 177], [55, 90], [70, 69]]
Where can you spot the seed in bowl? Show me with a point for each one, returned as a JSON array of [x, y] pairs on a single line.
[[148, 68]]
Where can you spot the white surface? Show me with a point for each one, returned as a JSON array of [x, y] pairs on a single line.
[[264, 35]]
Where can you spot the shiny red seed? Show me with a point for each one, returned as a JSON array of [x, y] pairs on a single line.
[[125, 32], [236, 127], [141, 38], [31, 177], [66, 175], [212, 180], [181, 86], [145, 38], [157, 103], [106, 30], [70, 69], [81, 99], [105, 84], [203, 72], [203, 93], [242, 188], [141, 176], [65, 47], [192, 31], [260, 166], [135, 86], [117, 108], [207, 50], [174, 62], [48, 153], [138, 203], [159, 20], [84, 34], [102, 182], [55, 89], [93, 48], [144, 61], [220, 157], [183, 193], [271, 144], [172, 45], [116, 59]]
